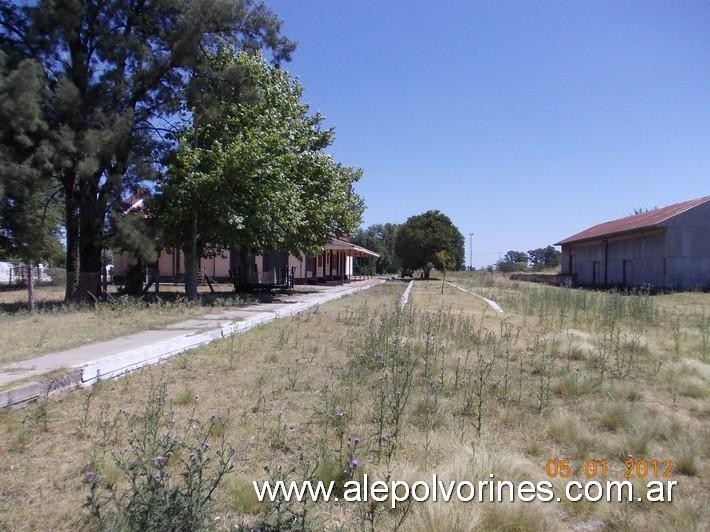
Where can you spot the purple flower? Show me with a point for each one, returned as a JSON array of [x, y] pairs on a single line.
[[354, 462], [205, 445], [357, 440], [158, 477], [192, 456], [214, 415], [90, 475], [159, 459]]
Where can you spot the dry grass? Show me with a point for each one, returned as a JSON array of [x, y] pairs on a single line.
[[55, 326], [23, 336], [561, 386]]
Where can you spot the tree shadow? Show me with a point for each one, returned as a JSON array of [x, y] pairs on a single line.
[[207, 300]]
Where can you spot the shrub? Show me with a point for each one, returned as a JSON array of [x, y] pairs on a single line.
[[184, 397], [687, 455], [162, 479], [569, 432], [242, 497], [614, 416]]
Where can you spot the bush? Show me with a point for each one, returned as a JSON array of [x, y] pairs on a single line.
[[163, 479]]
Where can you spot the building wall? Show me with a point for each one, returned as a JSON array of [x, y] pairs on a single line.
[[171, 262], [675, 256], [688, 251]]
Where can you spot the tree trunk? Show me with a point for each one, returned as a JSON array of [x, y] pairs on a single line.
[[91, 223], [91, 226], [71, 212], [426, 272], [246, 263], [191, 260]]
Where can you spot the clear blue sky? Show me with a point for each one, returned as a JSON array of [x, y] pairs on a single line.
[[524, 122]]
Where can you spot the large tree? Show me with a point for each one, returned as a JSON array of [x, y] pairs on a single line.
[[29, 218], [253, 172], [29, 215], [117, 74], [513, 261], [541, 258], [421, 237]]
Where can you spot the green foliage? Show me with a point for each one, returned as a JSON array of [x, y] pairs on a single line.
[[422, 236], [135, 231], [541, 258], [256, 176], [116, 77], [163, 479], [513, 261], [29, 215], [379, 238]]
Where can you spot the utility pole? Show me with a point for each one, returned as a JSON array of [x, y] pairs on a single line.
[[470, 255]]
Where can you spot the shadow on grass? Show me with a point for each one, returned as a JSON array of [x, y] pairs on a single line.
[[217, 299]]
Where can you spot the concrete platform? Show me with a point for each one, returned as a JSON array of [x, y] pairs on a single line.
[[112, 358]]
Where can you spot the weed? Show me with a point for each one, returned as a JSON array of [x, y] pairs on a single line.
[[687, 451], [184, 396], [141, 487], [242, 497]]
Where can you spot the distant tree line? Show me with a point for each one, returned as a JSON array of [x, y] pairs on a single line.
[[535, 259]]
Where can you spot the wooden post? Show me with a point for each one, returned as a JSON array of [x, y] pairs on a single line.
[[104, 282], [30, 291]]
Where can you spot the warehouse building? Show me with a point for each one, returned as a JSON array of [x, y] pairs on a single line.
[[667, 248]]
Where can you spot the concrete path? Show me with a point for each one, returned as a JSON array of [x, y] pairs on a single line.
[[405, 295], [111, 358], [495, 306]]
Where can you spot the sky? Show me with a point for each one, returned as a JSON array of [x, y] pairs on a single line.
[[524, 122]]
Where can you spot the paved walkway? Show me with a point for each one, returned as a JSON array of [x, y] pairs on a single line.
[[113, 357]]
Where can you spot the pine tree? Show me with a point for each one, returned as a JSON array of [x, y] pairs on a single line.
[[29, 218]]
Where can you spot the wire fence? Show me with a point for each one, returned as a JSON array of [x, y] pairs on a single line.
[[16, 275]]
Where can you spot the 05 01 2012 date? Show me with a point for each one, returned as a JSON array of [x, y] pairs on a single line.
[[634, 468]]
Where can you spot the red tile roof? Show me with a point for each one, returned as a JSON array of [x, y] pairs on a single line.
[[637, 222]]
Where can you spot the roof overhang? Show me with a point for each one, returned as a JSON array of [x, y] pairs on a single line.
[[352, 250]]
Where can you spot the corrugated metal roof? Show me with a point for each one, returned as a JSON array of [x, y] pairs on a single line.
[[638, 222]]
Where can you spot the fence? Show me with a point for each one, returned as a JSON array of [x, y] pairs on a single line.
[[16, 275]]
